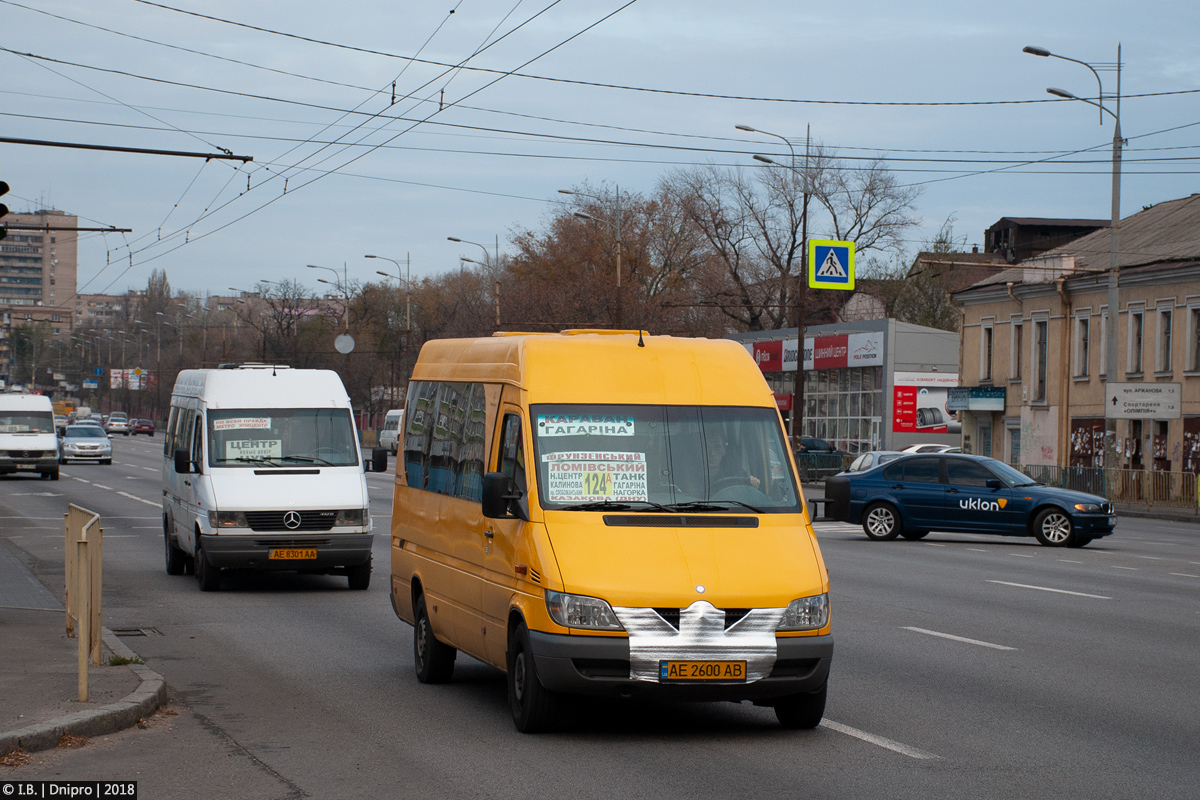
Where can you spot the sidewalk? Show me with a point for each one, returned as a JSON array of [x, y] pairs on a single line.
[[39, 674]]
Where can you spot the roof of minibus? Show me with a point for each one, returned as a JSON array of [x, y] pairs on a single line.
[[263, 387], [19, 401], [602, 367]]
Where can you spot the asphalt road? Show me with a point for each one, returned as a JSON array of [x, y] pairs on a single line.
[[965, 666]]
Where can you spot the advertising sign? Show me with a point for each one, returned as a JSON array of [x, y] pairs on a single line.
[[769, 356], [847, 350], [919, 402], [1142, 400]]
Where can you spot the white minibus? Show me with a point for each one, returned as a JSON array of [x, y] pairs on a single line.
[[262, 472], [27, 437], [389, 435]]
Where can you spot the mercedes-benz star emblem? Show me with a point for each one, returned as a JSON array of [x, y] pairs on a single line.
[[291, 520]]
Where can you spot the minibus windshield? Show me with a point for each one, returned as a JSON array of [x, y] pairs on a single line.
[[274, 437], [662, 458], [26, 422]]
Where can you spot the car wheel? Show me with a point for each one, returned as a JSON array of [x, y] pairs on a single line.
[[106, 461], [1053, 527], [1079, 541], [359, 576], [534, 707], [208, 576], [802, 711], [433, 660], [175, 557], [881, 522], [913, 536]]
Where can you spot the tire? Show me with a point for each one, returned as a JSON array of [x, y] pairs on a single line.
[[208, 576], [913, 536], [359, 576], [106, 461], [62, 460], [54, 474], [1053, 527], [1079, 541], [802, 711], [174, 556], [534, 707], [433, 660], [881, 522]]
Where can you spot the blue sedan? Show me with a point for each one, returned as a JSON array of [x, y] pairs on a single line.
[[914, 495]]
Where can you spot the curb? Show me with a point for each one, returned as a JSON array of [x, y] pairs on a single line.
[[143, 701]]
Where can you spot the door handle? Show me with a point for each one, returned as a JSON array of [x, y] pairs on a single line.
[[187, 483], [897, 485], [489, 533], [951, 489]]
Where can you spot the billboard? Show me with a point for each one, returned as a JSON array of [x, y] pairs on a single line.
[[919, 402]]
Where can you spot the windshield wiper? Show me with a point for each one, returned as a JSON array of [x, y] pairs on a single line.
[[710, 505], [270, 462], [309, 460], [609, 505]]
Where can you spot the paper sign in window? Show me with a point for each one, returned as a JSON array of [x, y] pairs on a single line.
[[575, 477], [253, 448], [241, 423], [584, 425]]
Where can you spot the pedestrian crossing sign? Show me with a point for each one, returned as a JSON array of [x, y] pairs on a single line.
[[830, 265]]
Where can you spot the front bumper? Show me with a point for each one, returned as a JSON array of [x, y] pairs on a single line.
[[599, 665], [8, 464], [1094, 525], [87, 455], [253, 550]]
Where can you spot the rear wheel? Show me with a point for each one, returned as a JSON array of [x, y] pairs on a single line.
[[534, 707], [802, 711], [359, 576], [881, 522], [1053, 527], [433, 660]]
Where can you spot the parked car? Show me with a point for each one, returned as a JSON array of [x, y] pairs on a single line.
[[145, 426], [60, 424], [85, 442], [811, 444], [931, 448], [117, 422], [919, 493], [873, 459]]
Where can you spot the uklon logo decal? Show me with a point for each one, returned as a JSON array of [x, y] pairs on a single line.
[[975, 504]]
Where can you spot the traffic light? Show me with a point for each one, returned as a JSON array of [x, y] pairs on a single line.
[[3, 210]]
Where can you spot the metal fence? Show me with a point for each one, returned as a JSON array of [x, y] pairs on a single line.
[[819, 466], [1131, 486]]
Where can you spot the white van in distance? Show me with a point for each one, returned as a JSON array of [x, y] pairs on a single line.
[[262, 472], [389, 435], [28, 442]]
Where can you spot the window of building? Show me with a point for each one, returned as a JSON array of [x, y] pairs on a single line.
[[985, 352], [1082, 346], [1137, 326], [1014, 372], [1103, 371], [844, 406], [1193, 361], [1040, 351], [1162, 353]]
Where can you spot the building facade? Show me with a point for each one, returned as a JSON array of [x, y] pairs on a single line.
[[869, 385], [1040, 331]]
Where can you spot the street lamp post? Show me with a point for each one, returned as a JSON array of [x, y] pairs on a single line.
[[616, 226], [407, 283], [800, 310], [1114, 295]]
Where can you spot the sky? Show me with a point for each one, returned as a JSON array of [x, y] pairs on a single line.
[[553, 95]]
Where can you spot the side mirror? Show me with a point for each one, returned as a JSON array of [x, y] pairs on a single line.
[[379, 459], [499, 491], [994, 483], [183, 461]]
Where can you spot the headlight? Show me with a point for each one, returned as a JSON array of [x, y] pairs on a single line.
[[227, 519], [1091, 508], [805, 614], [354, 516], [576, 611]]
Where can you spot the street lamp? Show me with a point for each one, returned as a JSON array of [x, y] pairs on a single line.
[[1114, 296], [615, 226], [801, 293], [407, 283]]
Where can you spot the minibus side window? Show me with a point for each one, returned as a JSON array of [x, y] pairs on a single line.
[[169, 438], [422, 397], [512, 453], [198, 443]]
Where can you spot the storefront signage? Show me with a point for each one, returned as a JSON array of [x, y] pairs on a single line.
[[847, 350], [769, 356], [976, 398], [919, 402], [1142, 400], [784, 401]]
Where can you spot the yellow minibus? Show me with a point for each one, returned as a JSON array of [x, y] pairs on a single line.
[[607, 513]]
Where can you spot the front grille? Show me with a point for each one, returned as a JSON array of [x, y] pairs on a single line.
[[29, 454], [734, 615], [274, 520], [669, 615], [292, 542]]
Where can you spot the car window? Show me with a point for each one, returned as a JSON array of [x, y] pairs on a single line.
[[967, 473], [921, 470]]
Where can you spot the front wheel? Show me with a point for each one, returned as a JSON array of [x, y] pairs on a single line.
[[881, 522], [913, 536], [1053, 527], [359, 576], [174, 556], [534, 707], [1079, 541], [208, 576], [802, 711], [433, 660]]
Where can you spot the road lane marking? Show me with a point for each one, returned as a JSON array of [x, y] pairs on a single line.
[[933, 544], [105, 488], [81, 480], [978, 550], [1069, 561], [1134, 569], [140, 500], [150, 469], [962, 639], [1183, 575], [1022, 555], [878, 741], [1150, 558], [1048, 589]]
